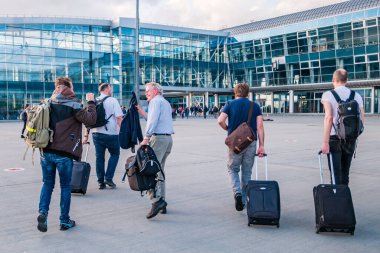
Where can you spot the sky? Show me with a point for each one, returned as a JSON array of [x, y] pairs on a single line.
[[203, 14]]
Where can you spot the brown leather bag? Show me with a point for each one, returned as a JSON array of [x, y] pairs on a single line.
[[242, 136]]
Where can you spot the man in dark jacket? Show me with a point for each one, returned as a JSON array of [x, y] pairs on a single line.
[[66, 118], [205, 110]]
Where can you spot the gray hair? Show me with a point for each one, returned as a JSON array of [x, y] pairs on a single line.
[[156, 86]]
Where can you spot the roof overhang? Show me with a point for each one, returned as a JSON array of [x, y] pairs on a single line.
[[316, 86]]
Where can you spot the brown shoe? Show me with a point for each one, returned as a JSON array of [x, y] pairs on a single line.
[[156, 208]]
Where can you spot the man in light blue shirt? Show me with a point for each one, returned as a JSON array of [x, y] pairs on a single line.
[[158, 131]]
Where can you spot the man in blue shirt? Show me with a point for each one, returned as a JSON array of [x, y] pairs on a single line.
[[237, 112], [158, 131]]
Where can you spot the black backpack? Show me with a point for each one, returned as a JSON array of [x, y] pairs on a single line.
[[147, 161], [101, 119], [349, 125], [137, 180]]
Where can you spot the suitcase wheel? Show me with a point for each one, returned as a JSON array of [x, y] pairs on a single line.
[[278, 225], [84, 193], [352, 233]]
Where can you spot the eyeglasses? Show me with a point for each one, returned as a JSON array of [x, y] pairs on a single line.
[[148, 90]]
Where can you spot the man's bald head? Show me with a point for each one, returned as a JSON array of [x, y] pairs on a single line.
[[340, 77]]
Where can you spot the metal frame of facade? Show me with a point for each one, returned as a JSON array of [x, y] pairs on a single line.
[[194, 62]]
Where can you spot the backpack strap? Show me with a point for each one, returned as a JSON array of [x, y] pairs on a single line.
[[107, 119], [336, 96], [250, 113], [103, 99], [352, 96]]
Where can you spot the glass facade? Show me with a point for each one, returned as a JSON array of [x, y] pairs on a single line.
[[308, 56], [307, 53], [32, 56], [185, 60]]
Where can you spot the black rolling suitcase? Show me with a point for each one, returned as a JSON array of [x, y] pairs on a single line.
[[263, 200], [334, 210], [80, 175]]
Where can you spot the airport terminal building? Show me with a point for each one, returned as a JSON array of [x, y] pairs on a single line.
[[288, 61]]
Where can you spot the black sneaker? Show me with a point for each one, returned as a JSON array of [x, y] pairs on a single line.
[[239, 202], [111, 184], [67, 225], [42, 222], [102, 186], [156, 208]]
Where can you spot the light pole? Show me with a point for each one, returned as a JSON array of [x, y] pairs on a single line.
[[137, 72]]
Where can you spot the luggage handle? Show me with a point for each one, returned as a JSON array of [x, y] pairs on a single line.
[[266, 165], [329, 156], [88, 147]]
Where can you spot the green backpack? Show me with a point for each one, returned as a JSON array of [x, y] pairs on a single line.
[[38, 132]]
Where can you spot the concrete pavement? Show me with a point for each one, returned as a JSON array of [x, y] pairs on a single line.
[[201, 215]]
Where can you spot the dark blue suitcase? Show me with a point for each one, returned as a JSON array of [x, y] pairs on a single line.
[[263, 200], [80, 175]]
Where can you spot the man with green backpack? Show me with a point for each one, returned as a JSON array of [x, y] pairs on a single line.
[[61, 143]]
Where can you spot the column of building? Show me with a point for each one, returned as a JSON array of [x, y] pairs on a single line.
[[206, 99], [216, 100], [291, 101]]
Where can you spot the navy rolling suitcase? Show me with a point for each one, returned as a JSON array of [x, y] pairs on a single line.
[[263, 200], [80, 175], [334, 210]]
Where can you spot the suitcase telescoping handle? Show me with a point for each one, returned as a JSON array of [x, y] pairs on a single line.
[[88, 147], [329, 156], [266, 165]]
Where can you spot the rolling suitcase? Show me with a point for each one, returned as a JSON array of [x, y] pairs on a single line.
[[263, 200], [80, 175], [334, 210]]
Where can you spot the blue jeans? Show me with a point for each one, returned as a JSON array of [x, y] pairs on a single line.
[[103, 142], [50, 163], [244, 162]]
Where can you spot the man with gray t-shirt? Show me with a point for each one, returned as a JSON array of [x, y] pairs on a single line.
[[107, 137], [341, 150]]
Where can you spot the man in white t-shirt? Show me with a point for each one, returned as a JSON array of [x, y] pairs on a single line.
[[341, 150], [107, 137]]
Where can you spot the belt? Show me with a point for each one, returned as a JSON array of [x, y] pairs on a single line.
[[162, 134]]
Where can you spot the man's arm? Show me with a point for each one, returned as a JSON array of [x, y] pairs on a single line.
[[260, 131], [87, 115], [151, 121], [119, 120], [222, 120], [328, 121], [141, 111], [85, 137], [117, 112], [362, 114]]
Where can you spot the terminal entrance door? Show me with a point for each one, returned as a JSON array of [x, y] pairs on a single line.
[[281, 102], [198, 100]]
